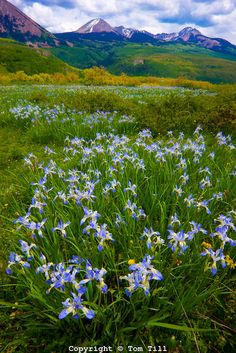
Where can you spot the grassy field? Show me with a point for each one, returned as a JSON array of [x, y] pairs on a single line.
[[117, 216]]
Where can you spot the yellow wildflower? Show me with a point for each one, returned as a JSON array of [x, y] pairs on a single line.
[[230, 262], [206, 245]]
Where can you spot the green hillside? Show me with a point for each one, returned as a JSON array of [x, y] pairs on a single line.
[[87, 53], [172, 60], [17, 57]]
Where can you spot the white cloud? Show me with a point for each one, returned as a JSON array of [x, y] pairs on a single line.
[[215, 18]]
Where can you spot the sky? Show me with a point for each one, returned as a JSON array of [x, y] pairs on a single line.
[[214, 18]]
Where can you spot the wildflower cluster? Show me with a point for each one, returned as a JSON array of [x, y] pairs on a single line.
[[110, 197], [35, 115], [224, 227], [58, 276], [141, 275]]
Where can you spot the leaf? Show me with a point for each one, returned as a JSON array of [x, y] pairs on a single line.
[[11, 305], [177, 327]]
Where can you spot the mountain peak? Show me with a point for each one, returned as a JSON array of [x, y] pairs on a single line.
[[95, 26], [188, 29], [186, 32]]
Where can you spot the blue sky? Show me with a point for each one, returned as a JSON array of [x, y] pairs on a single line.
[[215, 18]]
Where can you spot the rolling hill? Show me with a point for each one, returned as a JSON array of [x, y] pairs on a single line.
[[136, 59], [18, 57]]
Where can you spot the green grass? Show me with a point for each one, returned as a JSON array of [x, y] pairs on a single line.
[[189, 310]]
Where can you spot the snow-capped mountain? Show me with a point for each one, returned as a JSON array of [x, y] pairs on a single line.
[[192, 35], [126, 32], [100, 29], [129, 32], [97, 25], [185, 34], [166, 37]]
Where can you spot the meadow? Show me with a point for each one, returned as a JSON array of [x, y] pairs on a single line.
[[118, 219]]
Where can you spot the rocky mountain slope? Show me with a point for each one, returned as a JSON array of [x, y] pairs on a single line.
[[16, 25]]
